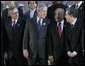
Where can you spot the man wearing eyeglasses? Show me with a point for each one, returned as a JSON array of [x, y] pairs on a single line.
[[14, 27]]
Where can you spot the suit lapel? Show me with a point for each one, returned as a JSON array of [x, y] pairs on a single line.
[[8, 25], [35, 14], [56, 30], [18, 23], [34, 23], [69, 32], [44, 25]]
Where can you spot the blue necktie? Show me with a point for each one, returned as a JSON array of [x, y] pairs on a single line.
[[39, 25]]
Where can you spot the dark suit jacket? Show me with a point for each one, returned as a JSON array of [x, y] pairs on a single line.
[[56, 45], [82, 39], [27, 14], [14, 37], [80, 12], [73, 41], [2, 43], [51, 10], [33, 41]]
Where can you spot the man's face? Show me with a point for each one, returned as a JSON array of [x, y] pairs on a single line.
[[68, 17], [15, 14], [32, 5], [77, 2], [42, 13], [58, 16]]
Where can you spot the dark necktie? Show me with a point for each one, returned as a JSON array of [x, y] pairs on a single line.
[[59, 29], [39, 25], [72, 26], [14, 24]]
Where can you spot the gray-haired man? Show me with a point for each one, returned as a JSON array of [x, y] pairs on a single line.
[[34, 42]]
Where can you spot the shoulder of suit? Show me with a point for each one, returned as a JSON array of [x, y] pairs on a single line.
[[27, 12], [47, 20]]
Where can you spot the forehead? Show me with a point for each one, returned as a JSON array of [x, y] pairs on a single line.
[[15, 10], [58, 11], [31, 1], [43, 8]]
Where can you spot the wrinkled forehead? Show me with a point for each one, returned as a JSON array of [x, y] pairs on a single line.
[[58, 11]]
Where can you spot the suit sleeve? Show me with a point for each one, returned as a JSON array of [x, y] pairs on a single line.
[[26, 36], [49, 41]]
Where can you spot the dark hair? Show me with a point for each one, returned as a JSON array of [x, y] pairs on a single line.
[[72, 11], [29, 1]]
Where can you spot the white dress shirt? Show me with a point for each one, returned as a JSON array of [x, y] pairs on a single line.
[[74, 21], [62, 24], [15, 21], [32, 13]]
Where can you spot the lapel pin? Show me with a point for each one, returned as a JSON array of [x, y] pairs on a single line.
[[18, 24], [44, 23]]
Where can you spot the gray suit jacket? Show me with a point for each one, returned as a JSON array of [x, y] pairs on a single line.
[[33, 41]]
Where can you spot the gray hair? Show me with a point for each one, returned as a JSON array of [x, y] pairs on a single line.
[[62, 11], [12, 8], [40, 5]]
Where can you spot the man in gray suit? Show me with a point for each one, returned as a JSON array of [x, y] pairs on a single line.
[[34, 41]]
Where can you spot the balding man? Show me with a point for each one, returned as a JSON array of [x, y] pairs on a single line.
[[13, 34], [56, 39]]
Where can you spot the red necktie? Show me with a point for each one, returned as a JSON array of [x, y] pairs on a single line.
[[59, 29]]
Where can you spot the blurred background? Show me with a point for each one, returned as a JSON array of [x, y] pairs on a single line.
[[24, 4]]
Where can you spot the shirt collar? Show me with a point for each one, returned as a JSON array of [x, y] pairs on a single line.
[[15, 20], [62, 22], [74, 21], [79, 4], [39, 19]]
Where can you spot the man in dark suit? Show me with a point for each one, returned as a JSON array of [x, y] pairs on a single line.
[[32, 10], [51, 9], [14, 28], [34, 42], [79, 5], [56, 39], [73, 38]]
